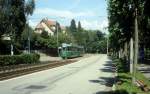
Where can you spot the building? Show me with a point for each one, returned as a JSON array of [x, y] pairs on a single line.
[[48, 26]]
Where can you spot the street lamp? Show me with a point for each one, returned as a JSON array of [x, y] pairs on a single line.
[[57, 33], [57, 37], [27, 27], [29, 34], [11, 40]]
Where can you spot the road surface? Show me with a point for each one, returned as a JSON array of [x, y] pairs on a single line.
[[90, 75]]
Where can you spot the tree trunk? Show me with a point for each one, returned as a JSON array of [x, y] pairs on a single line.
[[136, 50], [126, 50], [131, 55]]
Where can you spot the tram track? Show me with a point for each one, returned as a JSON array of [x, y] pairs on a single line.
[[20, 70]]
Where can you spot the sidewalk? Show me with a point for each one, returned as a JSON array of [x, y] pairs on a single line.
[[145, 69]]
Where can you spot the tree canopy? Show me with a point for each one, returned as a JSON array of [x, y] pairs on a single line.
[[13, 18], [73, 27], [121, 16]]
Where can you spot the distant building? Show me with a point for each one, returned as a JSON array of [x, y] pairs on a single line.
[[48, 26]]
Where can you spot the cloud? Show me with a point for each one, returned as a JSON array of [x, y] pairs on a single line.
[[104, 24], [62, 13], [95, 25], [87, 23]]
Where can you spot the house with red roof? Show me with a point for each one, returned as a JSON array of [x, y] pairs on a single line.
[[48, 26]]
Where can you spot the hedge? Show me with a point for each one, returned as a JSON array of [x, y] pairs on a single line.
[[6, 60]]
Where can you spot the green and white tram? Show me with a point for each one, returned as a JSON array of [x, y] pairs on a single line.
[[70, 51]]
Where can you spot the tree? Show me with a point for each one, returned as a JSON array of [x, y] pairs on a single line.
[[44, 34], [146, 8], [73, 26], [121, 23], [24, 38], [129, 19], [79, 27], [13, 14], [17, 16], [100, 35], [3, 16], [29, 7], [13, 18]]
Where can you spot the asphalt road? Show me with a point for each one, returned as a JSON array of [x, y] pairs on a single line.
[[90, 75]]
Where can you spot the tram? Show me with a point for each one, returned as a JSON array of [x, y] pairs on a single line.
[[70, 51]]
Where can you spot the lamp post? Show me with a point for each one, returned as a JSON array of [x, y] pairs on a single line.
[[29, 50], [11, 40], [57, 37], [29, 38], [57, 34], [57, 31], [11, 27], [29, 35]]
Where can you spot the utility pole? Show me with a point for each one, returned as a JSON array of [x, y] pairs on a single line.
[[12, 47], [11, 38], [57, 37], [29, 50], [136, 50], [27, 26], [11, 27]]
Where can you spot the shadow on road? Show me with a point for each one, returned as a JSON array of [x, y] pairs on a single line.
[[104, 92], [108, 63], [112, 92], [104, 81], [108, 67], [107, 81]]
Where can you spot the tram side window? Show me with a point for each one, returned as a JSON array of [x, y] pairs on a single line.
[[69, 48], [63, 49], [59, 50]]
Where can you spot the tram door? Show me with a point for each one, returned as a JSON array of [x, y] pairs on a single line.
[[59, 51]]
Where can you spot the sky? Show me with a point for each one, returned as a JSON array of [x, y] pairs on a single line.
[[91, 13]]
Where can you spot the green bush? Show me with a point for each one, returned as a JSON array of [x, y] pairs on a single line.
[[30, 58], [120, 92], [6, 60], [122, 65]]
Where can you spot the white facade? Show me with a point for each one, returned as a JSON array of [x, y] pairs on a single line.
[[49, 26], [45, 28]]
